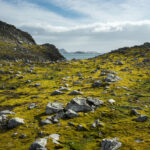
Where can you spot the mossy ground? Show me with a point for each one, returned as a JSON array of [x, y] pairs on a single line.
[[117, 120]]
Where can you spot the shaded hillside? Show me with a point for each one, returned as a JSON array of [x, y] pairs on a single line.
[[18, 45], [78, 104]]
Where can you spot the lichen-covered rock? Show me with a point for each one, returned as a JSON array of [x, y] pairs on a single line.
[[14, 122], [110, 144], [53, 108], [78, 105]]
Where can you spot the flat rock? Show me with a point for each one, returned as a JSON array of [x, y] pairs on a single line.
[[110, 144], [45, 122], [14, 122], [53, 108], [32, 105], [64, 89], [55, 138], [94, 101]]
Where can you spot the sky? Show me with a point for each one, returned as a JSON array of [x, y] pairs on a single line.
[[81, 25]]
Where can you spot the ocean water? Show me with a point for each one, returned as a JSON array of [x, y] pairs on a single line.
[[70, 56]]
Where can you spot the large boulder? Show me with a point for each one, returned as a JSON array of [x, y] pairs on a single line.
[[78, 105], [110, 144], [14, 122], [53, 108]]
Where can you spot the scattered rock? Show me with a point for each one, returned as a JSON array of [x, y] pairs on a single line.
[[55, 138], [39, 144], [97, 84], [110, 144], [6, 112], [57, 92], [111, 78], [111, 101], [75, 92], [134, 112], [32, 105], [14, 122], [81, 128], [70, 114], [53, 108], [141, 118], [63, 89], [78, 105], [45, 122], [94, 101]]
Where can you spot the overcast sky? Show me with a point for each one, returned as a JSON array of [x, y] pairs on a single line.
[[85, 25]]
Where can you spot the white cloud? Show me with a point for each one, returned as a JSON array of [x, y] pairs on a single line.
[[107, 24]]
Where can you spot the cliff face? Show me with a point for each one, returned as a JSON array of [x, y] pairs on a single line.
[[16, 44]]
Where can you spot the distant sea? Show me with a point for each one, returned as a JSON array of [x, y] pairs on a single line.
[[70, 56]]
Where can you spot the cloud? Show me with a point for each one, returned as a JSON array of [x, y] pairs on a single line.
[[106, 25]]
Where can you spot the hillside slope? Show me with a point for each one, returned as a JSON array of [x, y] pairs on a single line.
[[19, 45], [118, 84]]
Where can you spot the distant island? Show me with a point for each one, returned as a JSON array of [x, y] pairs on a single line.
[[78, 54]]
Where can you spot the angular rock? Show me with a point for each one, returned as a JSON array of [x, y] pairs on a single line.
[[53, 108], [78, 105], [110, 144], [74, 92], [94, 101], [57, 92], [70, 114], [14, 122], [81, 128]]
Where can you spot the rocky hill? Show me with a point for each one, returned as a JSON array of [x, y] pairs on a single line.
[[101, 103], [19, 45]]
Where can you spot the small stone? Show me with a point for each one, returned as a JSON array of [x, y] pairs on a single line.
[[32, 105], [134, 112], [97, 84]]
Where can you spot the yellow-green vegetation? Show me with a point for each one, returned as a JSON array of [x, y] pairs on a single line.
[[132, 91]]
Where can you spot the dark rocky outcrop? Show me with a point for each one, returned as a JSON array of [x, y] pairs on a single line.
[[16, 44]]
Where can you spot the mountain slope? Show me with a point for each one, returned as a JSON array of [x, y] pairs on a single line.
[[120, 79], [19, 45]]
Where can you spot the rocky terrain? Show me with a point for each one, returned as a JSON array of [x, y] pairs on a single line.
[[101, 103], [19, 45]]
